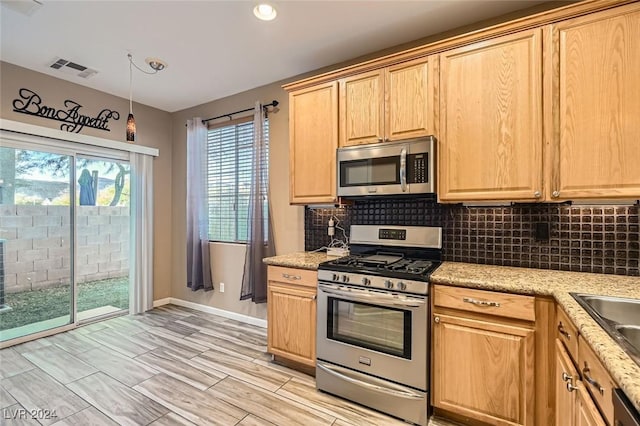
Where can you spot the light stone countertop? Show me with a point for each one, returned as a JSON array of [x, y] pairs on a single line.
[[303, 260], [559, 284]]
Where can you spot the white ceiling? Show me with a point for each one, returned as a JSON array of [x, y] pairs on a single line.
[[218, 48]]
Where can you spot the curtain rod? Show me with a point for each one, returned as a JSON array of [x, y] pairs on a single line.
[[273, 103]]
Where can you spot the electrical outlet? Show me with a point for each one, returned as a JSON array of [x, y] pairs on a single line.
[[221, 287], [541, 231]]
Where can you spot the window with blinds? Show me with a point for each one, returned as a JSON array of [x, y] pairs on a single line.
[[229, 174]]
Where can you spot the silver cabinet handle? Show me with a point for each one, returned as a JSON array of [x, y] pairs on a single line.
[[436, 320], [570, 387], [291, 277], [555, 194], [562, 331], [566, 377], [483, 303], [537, 194], [587, 376]]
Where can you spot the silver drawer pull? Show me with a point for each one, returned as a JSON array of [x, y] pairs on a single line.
[[562, 331], [481, 302], [292, 277], [591, 380], [566, 377]]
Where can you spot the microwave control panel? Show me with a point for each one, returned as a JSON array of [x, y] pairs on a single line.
[[417, 168]]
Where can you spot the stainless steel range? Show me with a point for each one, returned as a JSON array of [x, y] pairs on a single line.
[[373, 316]]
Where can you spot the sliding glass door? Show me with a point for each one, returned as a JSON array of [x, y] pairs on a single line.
[[103, 193], [64, 238], [36, 241]]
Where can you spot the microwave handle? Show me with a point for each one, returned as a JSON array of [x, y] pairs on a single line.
[[403, 169]]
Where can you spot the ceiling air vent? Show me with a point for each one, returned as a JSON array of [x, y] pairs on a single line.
[[72, 68]]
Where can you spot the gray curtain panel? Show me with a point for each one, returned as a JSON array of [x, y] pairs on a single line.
[[198, 261], [260, 238]]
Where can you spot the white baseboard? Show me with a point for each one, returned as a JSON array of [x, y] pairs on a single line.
[[161, 302], [211, 310]]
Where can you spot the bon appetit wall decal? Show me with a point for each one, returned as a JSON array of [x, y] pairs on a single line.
[[30, 103]]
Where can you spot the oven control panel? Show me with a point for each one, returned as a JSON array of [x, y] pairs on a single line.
[[372, 281], [392, 234]]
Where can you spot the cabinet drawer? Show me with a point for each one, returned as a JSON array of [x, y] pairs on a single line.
[[596, 379], [486, 302], [567, 333], [293, 276]]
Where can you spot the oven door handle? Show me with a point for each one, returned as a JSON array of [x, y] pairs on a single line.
[[361, 296], [343, 374]]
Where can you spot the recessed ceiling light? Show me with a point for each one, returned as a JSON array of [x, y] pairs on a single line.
[[265, 11]]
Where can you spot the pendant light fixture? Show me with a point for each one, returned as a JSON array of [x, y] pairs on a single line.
[[131, 121], [156, 65]]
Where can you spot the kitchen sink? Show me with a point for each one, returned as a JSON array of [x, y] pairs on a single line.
[[620, 317], [618, 310], [631, 333]]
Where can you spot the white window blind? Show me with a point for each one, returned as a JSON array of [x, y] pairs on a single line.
[[229, 174]]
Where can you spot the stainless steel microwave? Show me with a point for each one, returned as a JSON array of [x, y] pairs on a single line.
[[390, 168]]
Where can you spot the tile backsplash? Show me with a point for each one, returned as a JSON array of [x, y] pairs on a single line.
[[600, 239]]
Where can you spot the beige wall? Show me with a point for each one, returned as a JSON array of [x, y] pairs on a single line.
[[153, 129], [288, 221]]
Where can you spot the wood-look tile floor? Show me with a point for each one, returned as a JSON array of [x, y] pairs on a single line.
[[169, 366]]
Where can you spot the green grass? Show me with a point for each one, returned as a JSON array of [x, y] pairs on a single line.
[[39, 305]]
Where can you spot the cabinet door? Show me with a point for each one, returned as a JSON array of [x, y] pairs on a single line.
[[362, 108], [587, 414], [490, 141], [409, 99], [565, 373], [483, 370], [597, 105], [313, 140], [291, 324]]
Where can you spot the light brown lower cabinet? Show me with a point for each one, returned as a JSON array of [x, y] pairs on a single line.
[[587, 414], [574, 406], [291, 314], [483, 365], [564, 380]]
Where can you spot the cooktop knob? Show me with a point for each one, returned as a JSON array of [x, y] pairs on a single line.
[[388, 283], [366, 281], [345, 278], [335, 277], [402, 286]]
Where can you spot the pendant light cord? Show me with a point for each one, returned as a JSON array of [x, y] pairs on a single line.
[[130, 85]]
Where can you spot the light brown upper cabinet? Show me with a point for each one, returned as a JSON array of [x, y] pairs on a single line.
[[392, 103], [313, 140], [594, 74], [490, 142]]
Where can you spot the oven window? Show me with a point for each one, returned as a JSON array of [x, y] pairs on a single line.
[[370, 171], [379, 328]]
